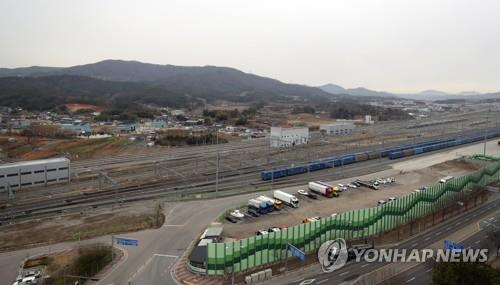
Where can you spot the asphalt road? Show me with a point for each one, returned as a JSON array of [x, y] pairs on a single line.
[[422, 273], [352, 270]]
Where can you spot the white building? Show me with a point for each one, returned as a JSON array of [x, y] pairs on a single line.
[[339, 128], [289, 137], [34, 173]]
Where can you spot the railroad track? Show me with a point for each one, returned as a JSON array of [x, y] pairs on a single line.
[[239, 177], [56, 206]]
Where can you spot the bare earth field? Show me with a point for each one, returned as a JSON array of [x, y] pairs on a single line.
[[85, 225], [361, 197]]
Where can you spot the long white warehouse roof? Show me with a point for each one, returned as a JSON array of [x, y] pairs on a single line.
[[34, 162]]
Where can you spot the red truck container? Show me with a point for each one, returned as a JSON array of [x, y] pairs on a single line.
[[321, 188]]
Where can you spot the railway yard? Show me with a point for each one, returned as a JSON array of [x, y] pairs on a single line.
[[129, 189], [184, 173]]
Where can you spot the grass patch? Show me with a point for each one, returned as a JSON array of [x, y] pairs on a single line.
[[20, 235], [84, 261]]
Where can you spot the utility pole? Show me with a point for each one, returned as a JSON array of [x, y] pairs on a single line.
[[217, 174], [11, 192], [484, 147], [112, 246], [64, 275]]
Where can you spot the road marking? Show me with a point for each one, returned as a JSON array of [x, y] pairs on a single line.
[[307, 282], [173, 225], [427, 238], [448, 228], [409, 280], [478, 241], [458, 223], [428, 270], [414, 245], [364, 265], [438, 233], [344, 273], [165, 255], [321, 281]]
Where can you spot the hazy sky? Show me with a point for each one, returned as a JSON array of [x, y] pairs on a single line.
[[399, 46]]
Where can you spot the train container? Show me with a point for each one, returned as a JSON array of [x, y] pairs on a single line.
[[408, 152], [266, 175], [395, 155], [296, 170], [337, 162], [348, 159], [318, 166], [273, 174], [373, 154], [361, 156], [321, 188], [419, 150]]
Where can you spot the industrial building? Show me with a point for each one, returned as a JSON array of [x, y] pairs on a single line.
[[34, 173], [339, 128], [289, 137], [198, 257]]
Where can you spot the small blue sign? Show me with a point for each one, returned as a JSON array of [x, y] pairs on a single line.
[[127, 242], [453, 245], [296, 252]]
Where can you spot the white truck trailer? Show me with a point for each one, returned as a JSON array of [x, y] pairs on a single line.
[[445, 179], [286, 198], [321, 188]]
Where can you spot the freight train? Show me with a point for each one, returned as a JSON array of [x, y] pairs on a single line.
[[391, 153]]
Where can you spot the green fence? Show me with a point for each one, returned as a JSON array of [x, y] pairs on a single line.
[[248, 253]]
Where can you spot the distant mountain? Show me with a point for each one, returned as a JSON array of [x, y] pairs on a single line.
[[431, 95], [26, 71], [333, 89], [208, 82], [431, 92], [440, 96], [360, 91]]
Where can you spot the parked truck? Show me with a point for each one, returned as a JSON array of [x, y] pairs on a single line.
[[276, 203], [286, 198], [269, 204], [367, 184], [323, 189], [258, 206], [445, 179]]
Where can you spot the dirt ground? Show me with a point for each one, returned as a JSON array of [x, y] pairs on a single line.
[[361, 197], [39, 148], [84, 225], [76, 107]]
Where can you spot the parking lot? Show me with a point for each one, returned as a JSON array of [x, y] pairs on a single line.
[[354, 198]]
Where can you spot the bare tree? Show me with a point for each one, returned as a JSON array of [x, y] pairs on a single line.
[[494, 239]]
